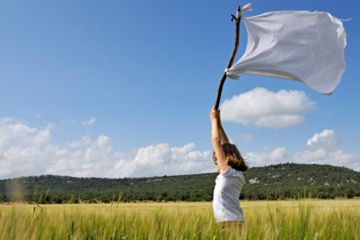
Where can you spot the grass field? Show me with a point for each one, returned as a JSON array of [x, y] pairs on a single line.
[[303, 219]]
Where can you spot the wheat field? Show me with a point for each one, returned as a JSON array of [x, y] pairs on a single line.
[[300, 219]]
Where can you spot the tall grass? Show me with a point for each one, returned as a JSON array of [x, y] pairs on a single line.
[[306, 219]]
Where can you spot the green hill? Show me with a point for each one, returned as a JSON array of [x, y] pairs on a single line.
[[271, 182]]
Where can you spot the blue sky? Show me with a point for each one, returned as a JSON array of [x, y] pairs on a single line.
[[146, 73]]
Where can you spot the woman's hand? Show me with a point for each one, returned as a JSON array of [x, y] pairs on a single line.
[[215, 115]]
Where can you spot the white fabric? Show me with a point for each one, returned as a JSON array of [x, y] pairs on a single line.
[[297, 45], [246, 8], [226, 196]]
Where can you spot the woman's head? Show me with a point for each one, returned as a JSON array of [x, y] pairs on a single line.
[[233, 157]]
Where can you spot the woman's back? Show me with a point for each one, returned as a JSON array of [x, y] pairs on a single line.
[[226, 196]]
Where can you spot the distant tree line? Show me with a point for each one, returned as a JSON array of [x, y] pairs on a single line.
[[283, 181]]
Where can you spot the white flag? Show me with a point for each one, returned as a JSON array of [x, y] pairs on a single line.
[[297, 45]]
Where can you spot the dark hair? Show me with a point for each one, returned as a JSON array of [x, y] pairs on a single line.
[[233, 157]]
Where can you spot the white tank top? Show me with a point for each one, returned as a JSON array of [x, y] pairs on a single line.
[[227, 189]]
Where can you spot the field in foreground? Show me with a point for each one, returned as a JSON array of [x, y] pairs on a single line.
[[302, 219]]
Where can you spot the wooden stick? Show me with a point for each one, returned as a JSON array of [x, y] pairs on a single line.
[[237, 19]]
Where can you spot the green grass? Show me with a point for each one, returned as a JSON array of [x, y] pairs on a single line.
[[305, 219]]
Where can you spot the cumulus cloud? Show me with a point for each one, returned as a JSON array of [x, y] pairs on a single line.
[[274, 156], [264, 108], [163, 159], [324, 140], [89, 123], [321, 148], [26, 150]]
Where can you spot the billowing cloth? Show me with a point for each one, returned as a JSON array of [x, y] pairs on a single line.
[[297, 45]]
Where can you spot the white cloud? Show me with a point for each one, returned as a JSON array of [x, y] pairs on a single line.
[[324, 140], [275, 156], [162, 159], [280, 121], [28, 151], [89, 123], [278, 154], [264, 108], [321, 148]]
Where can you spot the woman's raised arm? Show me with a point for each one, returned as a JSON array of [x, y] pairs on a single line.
[[216, 133]]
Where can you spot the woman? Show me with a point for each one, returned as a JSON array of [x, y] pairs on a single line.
[[230, 180]]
